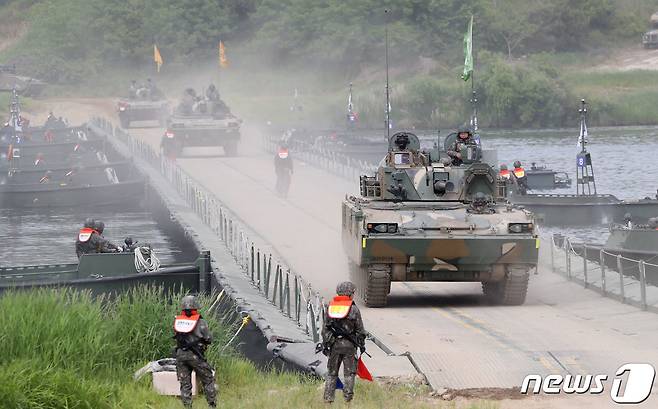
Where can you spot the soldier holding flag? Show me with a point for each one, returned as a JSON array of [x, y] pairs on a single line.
[[342, 334]]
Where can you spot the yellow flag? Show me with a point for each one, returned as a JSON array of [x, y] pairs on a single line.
[[223, 62], [157, 58]]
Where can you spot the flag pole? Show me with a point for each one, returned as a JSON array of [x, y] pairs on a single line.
[[474, 99], [219, 69], [388, 100]]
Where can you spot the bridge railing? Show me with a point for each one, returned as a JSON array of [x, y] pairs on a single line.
[[610, 274], [276, 281], [322, 156]]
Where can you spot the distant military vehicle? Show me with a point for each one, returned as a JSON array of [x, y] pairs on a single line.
[[650, 38], [420, 218], [198, 121], [145, 103], [26, 86]]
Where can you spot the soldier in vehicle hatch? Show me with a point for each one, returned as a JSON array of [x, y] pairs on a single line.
[[186, 105], [193, 337], [342, 334], [464, 137]]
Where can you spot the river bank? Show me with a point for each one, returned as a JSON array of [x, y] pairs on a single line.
[[80, 352]]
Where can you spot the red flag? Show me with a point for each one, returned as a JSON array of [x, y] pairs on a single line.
[[363, 372]]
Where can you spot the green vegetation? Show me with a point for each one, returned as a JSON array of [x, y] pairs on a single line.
[[529, 54], [63, 349]]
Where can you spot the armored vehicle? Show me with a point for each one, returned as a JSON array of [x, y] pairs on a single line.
[[145, 102], [205, 123], [142, 109], [421, 218], [10, 80], [650, 38]]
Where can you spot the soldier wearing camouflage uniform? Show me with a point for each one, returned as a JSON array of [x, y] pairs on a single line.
[[192, 337], [87, 240], [464, 137], [342, 334]]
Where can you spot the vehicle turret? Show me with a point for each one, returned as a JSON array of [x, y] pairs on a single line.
[[408, 173]]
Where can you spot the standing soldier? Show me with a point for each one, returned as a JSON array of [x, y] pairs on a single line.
[[192, 337], [504, 173], [342, 334], [520, 178]]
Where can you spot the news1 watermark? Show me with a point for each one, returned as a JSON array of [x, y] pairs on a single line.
[[631, 384]]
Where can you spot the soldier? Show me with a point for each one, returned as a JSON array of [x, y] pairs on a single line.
[[102, 244], [520, 178], [192, 337], [504, 172], [628, 221], [186, 105], [464, 137], [211, 93], [87, 239], [342, 334], [132, 92], [283, 168]]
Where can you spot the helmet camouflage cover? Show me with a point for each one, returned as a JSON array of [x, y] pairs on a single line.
[[345, 288], [189, 302]]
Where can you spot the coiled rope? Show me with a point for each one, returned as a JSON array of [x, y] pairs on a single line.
[[146, 264]]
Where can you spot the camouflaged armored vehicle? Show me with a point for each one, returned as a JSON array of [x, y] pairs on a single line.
[[422, 219], [144, 104], [205, 123], [26, 86]]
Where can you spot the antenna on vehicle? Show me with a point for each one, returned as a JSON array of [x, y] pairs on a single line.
[[388, 97], [584, 168]]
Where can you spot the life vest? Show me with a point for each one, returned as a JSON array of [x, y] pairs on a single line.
[[519, 172], [505, 174], [283, 153], [339, 307], [85, 234], [184, 324]]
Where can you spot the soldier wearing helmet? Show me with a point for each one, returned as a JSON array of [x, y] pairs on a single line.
[[342, 334], [87, 239], [103, 245], [283, 168], [464, 137], [520, 178], [504, 172], [193, 337]]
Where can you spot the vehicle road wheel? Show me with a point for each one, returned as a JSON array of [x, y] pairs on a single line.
[[511, 290], [231, 148], [125, 122], [378, 285]]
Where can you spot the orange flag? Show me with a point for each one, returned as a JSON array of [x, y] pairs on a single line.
[[223, 61], [157, 58]]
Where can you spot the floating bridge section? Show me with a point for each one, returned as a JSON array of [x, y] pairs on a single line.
[[283, 306]]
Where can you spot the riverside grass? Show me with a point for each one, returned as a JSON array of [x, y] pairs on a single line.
[[64, 349]]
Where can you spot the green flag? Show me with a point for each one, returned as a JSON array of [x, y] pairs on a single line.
[[468, 52]]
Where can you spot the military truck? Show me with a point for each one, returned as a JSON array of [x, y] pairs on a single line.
[[650, 38], [206, 123], [10, 80], [420, 218]]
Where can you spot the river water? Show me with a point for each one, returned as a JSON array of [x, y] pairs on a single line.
[[35, 237]]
